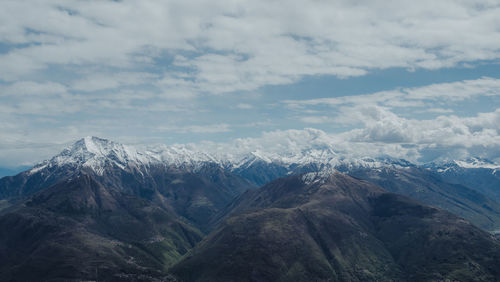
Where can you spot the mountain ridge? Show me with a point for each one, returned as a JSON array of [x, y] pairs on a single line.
[[94, 152], [141, 172]]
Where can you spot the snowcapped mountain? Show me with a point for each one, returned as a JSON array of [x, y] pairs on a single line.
[[185, 182], [188, 189], [140, 170], [478, 163], [181, 177], [97, 154], [258, 165]]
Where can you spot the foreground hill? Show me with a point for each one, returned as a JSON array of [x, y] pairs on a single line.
[[81, 230], [336, 228]]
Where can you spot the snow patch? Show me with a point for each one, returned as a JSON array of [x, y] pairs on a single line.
[[317, 177], [37, 168]]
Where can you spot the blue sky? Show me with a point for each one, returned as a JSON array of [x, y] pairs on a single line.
[[413, 79]]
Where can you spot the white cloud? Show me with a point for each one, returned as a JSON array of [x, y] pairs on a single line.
[[315, 119], [72, 68], [229, 46], [243, 106], [474, 135], [31, 88], [436, 110], [101, 81], [209, 128], [382, 133], [412, 97]]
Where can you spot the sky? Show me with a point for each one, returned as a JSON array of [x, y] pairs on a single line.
[[413, 79]]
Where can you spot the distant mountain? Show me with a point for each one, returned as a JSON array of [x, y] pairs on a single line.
[[332, 227], [97, 153], [481, 175], [79, 229], [430, 188]]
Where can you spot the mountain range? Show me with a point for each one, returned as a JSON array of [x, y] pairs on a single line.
[[101, 210], [332, 227]]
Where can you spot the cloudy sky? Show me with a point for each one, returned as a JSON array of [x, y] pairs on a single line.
[[413, 79]]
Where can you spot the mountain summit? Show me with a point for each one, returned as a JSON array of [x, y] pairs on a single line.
[[95, 153]]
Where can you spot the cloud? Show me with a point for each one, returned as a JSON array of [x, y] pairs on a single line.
[[101, 81], [126, 68], [471, 136], [243, 106], [232, 46], [415, 97], [32, 88], [315, 119], [381, 133], [436, 110], [209, 128]]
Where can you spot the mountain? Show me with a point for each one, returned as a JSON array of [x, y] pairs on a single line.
[[197, 185], [101, 210], [479, 174], [430, 188], [332, 227], [187, 186], [79, 229], [469, 193]]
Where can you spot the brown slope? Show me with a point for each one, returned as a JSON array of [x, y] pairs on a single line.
[[339, 229], [82, 230]]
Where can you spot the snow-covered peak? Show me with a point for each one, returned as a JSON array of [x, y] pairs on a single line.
[[97, 153], [466, 163], [89, 147], [477, 163]]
